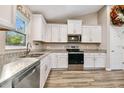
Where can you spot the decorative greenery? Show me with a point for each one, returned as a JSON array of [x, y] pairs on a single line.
[[117, 15]]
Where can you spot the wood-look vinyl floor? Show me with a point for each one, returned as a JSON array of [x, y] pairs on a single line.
[[85, 79]]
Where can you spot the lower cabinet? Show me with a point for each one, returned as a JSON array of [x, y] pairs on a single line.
[[94, 60], [59, 60], [44, 70], [53, 60]]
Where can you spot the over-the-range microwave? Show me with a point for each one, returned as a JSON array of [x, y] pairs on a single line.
[[74, 38]]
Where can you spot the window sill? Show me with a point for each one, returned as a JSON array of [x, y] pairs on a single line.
[[14, 47]]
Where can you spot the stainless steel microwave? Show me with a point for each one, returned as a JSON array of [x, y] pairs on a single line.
[[74, 38]]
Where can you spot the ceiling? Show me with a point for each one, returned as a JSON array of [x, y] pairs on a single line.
[[60, 13]]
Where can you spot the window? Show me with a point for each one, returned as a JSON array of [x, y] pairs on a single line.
[[17, 38]]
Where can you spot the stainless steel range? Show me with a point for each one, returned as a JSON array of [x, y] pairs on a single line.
[[75, 56]]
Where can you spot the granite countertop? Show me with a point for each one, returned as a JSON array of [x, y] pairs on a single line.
[[10, 70], [85, 51], [93, 50]]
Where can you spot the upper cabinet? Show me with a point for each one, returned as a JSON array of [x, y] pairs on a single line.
[[8, 17], [38, 27], [91, 34], [74, 26], [56, 33], [48, 33], [63, 33]]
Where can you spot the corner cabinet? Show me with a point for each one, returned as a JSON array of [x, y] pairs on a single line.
[[8, 17], [74, 26], [91, 34], [59, 60], [38, 27]]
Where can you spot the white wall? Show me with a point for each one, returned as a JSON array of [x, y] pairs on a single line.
[[89, 19], [102, 20]]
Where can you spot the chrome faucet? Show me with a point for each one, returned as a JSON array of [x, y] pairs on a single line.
[[28, 48]]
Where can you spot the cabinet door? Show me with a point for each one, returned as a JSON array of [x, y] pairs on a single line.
[[89, 62], [49, 33], [85, 34], [55, 33], [63, 33], [100, 62], [62, 61], [74, 26], [96, 34], [54, 60], [77, 27], [42, 74], [70, 27], [91, 34], [8, 16], [48, 62], [37, 28]]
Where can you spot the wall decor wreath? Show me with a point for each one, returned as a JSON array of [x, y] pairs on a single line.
[[117, 15]]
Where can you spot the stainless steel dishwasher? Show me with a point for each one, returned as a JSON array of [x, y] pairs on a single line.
[[30, 78]]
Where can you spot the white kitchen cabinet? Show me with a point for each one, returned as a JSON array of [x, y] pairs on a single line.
[[38, 27], [89, 62], [55, 33], [49, 33], [42, 74], [45, 69], [94, 60], [63, 33], [91, 34], [59, 60], [54, 60], [85, 35], [62, 60], [8, 17], [74, 26], [100, 59]]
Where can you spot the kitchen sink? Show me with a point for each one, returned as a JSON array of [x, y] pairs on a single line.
[[31, 55]]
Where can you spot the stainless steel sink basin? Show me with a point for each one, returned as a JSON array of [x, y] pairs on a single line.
[[32, 55]]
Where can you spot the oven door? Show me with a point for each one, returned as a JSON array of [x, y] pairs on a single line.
[[76, 58]]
